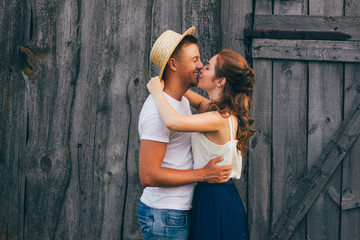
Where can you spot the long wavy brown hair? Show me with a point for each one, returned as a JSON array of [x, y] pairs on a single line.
[[236, 96]]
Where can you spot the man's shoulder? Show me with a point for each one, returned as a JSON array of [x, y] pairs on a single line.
[[149, 106], [149, 110]]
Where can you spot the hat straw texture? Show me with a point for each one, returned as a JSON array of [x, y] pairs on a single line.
[[165, 45]]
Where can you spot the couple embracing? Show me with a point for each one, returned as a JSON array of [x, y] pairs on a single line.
[[187, 162]]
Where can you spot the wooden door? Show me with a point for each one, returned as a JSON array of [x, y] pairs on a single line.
[[304, 91]]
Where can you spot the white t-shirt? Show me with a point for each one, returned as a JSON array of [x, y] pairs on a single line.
[[178, 154]]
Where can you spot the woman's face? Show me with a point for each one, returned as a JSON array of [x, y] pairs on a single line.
[[206, 80]]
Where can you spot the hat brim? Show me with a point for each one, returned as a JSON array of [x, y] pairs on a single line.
[[190, 31]]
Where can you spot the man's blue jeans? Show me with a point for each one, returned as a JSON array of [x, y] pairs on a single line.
[[163, 223]]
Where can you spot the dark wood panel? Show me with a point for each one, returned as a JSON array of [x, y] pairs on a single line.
[[13, 116], [333, 51]]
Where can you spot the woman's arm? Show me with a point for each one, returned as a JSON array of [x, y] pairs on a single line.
[[197, 101], [204, 122]]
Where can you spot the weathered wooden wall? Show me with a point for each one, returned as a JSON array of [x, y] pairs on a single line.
[[72, 82], [311, 93]]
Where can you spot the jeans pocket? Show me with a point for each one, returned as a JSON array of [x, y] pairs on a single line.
[[176, 219]]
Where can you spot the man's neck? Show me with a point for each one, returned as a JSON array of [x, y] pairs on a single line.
[[175, 88]]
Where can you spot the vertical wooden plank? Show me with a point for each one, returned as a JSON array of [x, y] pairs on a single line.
[[289, 122], [136, 94], [14, 31], [289, 134], [166, 15], [205, 16], [234, 18], [259, 179], [260, 147], [325, 115], [46, 162], [351, 164], [85, 196]]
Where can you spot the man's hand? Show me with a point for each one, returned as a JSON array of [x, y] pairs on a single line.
[[215, 173]]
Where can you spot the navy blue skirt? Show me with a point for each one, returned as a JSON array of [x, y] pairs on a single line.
[[218, 213]]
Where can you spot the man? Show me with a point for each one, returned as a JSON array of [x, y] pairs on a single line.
[[165, 159]]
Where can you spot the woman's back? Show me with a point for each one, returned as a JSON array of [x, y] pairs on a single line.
[[206, 146]]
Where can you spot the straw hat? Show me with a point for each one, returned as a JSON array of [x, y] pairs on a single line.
[[165, 45]]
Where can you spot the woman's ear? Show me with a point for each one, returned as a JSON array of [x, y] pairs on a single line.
[[221, 82], [172, 64]]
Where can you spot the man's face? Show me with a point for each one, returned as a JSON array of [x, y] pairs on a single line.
[[189, 64]]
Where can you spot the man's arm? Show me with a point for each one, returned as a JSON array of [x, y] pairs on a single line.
[[152, 174]]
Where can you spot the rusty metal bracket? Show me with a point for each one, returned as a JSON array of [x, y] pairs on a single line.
[[249, 34]]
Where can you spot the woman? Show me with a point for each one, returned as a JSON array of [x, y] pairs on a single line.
[[221, 129]]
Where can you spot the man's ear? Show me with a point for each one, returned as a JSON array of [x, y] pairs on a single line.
[[172, 64]]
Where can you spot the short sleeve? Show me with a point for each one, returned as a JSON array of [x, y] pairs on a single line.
[[153, 128]]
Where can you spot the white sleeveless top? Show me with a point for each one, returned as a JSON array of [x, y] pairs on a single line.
[[204, 150]]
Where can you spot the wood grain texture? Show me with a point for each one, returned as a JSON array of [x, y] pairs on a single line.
[[13, 120], [289, 117], [73, 79], [351, 165], [260, 152], [352, 8], [205, 15], [290, 7], [310, 186], [325, 115], [234, 18], [289, 134], [349, 24], [98, 139], [138, 75], [260, 146], [332, 51], [326, 8]]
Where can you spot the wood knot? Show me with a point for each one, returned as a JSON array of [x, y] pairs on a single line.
[[45, 164], [32, 60]]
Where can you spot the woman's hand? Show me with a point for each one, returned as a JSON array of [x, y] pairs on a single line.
[[155, 85]]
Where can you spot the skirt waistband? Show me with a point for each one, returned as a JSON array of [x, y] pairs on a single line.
[[230, 181]]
